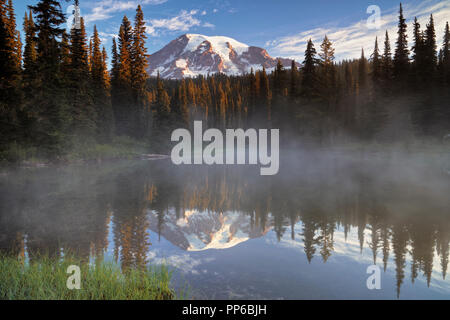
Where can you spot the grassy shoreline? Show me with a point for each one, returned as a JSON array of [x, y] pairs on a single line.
[[46, 279], [80, 152]]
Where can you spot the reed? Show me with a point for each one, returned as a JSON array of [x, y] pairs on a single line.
[[45, 278]]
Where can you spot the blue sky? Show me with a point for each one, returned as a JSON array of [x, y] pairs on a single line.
[[282, 27]]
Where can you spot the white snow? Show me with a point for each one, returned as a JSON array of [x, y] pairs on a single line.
[[218, 43], [160, 69], [181, 63], [221, 239]]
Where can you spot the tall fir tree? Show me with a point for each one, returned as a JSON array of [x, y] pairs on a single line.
[[125, 52], [180, 107], [10, 71], [327, 74], [401, 56], [114, 66], [139, 74], [50, 101], [30, 51], [418, 53], [123, 94], [97, 60], [265, 95], [446, 55], [84, 115], [377, 71], [309, 72], [106, 75], [29, 79], [430, 52], [362, 71], [13, 39], [163, 124], [254, 87], [100, 88], [65, 57], [293, 81], [278, 80], [387, 64]]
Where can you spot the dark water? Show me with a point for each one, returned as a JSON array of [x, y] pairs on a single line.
[[309, 232]]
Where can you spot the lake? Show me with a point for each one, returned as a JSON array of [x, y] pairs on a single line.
[[227, 232]]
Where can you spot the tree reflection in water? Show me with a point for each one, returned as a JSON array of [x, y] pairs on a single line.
[[397, 211]]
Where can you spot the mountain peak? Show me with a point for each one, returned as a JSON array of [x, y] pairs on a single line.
[[191, 55]]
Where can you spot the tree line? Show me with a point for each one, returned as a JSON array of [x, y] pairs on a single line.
[[382, 96], [56, 89]]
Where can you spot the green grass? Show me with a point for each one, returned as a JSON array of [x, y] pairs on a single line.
[[46, 279], [79, 150], [119, 148], [15, 152]]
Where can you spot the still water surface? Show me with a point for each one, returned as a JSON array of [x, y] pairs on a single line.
[[308, 233]]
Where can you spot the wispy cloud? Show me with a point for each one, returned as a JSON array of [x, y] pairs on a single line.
[[208, 25], [183, 21], [349, 40], [104, 36], [105, 9]]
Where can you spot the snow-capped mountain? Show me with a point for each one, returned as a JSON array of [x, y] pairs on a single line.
[[191, 55], [198, 231]]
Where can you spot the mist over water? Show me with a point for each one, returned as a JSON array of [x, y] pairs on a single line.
[[310, 231]]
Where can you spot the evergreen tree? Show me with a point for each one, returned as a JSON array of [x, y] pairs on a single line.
[[97, 71], [125, 52], [50, 127], [222, 106], [122, 93], [418, 45], [386, 63], [139, 73], [376, 113], [348, 75], [3, 32], [84, 115], [100, 86], [114, 66], [13, 40], [376, 65], [253, 95], [294, 79], [29, 79], [309, 76], [163, 124], [106, 76], [362, 71], [205, 97], [327, 53], [401, 56], [180, 108], [430, 52], [446, 55], [10, 68], [10, 54], [65, 57], [327, 73], [278, 80], [265, 94], [30, 52]]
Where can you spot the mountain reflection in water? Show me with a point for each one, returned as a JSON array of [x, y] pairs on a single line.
[[309, 232]]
